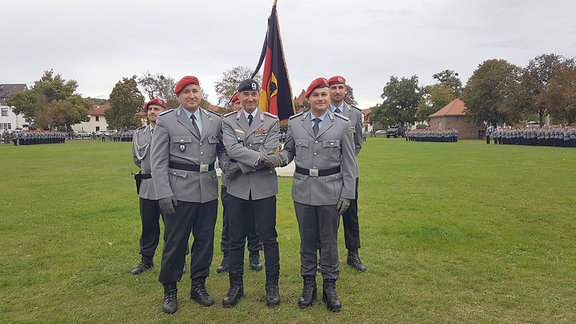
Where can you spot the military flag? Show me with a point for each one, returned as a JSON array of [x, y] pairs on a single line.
[[276, 95]]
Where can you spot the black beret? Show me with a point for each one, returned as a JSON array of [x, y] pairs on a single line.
[[248, 85]]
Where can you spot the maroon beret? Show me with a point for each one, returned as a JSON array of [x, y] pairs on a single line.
[[336, 80], [235, 97], [317, 83], [157, 102], [184, 82]]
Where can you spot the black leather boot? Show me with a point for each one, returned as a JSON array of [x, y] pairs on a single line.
[[272, 293], [223, 267], [170, 298], [255, 261], [147, 263], [309, 292], [235, 292], [354, 260], [200, 294], [330, 297]]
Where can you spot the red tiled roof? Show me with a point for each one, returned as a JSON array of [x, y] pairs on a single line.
[[98, 110], [456, 107]]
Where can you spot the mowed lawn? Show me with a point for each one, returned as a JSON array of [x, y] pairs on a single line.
[[451, 232]]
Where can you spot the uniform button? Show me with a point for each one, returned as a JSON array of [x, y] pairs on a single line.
[[200, 143], [201, 153], [316, 142], [315, 153]]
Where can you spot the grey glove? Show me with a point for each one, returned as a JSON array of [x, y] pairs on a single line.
[[276, 160], [231, 169], [167, 205], [343, 205]]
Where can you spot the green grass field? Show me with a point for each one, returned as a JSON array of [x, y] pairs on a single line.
[[451, 232]]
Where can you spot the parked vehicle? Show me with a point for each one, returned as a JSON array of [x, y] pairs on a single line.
[[82, 134], [395, 131]]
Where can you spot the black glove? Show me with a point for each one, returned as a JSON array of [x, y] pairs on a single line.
[[343, 205], [264, 161], [167, 205], [276, 160], [231, 169]]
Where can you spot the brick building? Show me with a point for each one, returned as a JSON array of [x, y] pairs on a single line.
[[453, 116]]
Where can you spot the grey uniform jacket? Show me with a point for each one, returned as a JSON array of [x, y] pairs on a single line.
[[356, 117], [176, 140], [244, 144], [141, 143], [333, 146]]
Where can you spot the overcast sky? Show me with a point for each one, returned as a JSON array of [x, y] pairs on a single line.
[[99, 42]]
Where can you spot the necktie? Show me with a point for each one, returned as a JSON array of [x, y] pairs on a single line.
[[316, 125], [193, 117], [152, 131], [338, 111], [250, 120]]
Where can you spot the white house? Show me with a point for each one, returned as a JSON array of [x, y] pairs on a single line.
[[97, 120], [9, 121]]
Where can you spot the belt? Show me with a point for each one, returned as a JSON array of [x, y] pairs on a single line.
[[316, 172], [190, 167], [146, 176]]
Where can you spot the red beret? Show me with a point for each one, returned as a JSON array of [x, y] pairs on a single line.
[[336, 80], [184, 82], [235, 97], [157, 102], [317, 83]]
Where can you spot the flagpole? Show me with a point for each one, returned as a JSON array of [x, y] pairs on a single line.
[[275, 2]]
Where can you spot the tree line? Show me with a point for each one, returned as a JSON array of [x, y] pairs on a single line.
[[497, 93]]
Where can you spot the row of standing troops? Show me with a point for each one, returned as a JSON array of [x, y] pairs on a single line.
[[432, 135], [559, 136], [38, 137], [179, 182]]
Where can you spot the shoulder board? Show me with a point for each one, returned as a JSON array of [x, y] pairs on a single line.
[[298, 114], [342, 117], [212, 112], [270, 114], [356, 108], [142, 127], [167, 111], [230, 114]]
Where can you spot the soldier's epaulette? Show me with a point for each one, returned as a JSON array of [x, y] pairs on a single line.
[[230, 114], [269, 114], [356, 108], [298, 114], [142, 127], [165, 112], [342, 116], [212, 112]]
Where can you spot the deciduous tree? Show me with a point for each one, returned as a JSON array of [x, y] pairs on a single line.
[[401, 98], [491, 91], [227, 85], [159, 86], [126, 100], [51, 103]]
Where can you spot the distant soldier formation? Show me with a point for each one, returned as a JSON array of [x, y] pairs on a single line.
[[558, 136], [38, 137], [432, 135]]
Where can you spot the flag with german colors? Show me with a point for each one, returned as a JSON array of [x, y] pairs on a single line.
[[276, 95]]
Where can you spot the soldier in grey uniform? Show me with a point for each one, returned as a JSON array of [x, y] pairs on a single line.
[[338, 91], [254, 244], [322, 147], [186, 142], [149, 208], [249, 135]]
